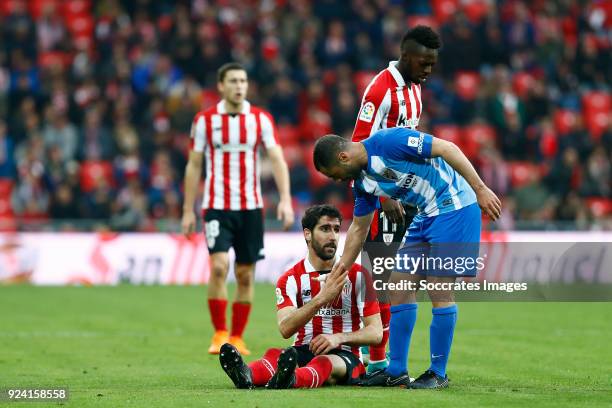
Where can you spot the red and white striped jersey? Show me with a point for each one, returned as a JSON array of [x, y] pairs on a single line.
[[230, 143], [388, 102], [299, 285]]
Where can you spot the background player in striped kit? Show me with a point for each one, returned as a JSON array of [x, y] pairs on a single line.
[[330, 313], [228, 136], [393, 99]]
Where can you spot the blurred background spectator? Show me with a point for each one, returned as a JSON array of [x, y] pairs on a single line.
[[97, 98]]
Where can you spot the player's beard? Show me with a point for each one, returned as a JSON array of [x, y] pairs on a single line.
[[322, 251]]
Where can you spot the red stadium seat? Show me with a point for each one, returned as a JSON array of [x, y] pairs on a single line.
[[475, 10], [209, 98], [521, 83], [466, 83], [475, 136], [93, 170], [521, 172], [76, 7], [6, 188], [288, 134], [361, 79], [452, 133], [599, 206], [443, 9], [597, 123], [37, 6], [413, 21], [53, 58], [596, 101], [564, 120]]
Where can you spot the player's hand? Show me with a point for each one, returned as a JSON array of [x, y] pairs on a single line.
[[324, 343], [394, 210], [284, 213], [188, 223], [333, 284], [489, 203]]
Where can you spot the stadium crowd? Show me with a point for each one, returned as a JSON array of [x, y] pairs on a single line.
[[97, 98]]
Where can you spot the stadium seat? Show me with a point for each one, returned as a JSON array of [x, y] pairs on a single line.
[[443, 9], [521, 83], [564, 120], [76, 7], [54, 58], [475, 136], [452, 133], [209, 98], [92, 170], [466, 84], [596, 101], [288, 134], [597, 123], [475, 10], [520, 172], [361, 79], [599, 206], [37, 6], [425, 20]]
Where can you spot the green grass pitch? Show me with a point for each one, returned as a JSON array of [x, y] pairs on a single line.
[[136, 346]]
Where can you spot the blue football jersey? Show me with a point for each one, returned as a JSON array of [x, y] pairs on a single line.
[[400, 167]]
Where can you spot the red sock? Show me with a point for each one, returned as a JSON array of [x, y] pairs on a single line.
[[263, 369], [377, 353], [314, 374], [240, 317], [217, 313]]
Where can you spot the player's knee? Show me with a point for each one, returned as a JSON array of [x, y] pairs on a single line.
[[218, 269], [244, 275]]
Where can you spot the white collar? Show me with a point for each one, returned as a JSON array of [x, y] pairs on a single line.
[[309, 268], [396, 74], [246, 107]]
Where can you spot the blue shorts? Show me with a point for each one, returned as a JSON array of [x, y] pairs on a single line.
[[448, 244]]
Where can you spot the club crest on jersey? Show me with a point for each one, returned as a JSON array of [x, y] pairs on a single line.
[[346, 289], [389, 174], [367, 112]]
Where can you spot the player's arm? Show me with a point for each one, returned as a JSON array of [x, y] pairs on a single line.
[[451, 154], [291, 319], [193, 173], [371, 333], [355, 237], [281, 178]]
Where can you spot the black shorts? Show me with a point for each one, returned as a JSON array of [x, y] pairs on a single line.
[[243, 230], [388, 232], [354, 367]]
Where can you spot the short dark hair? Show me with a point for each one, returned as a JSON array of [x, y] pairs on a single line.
[[313, 215], [326, 150], [422, 35], [230, 66]]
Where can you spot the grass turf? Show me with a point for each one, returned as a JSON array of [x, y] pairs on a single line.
[[139, 346]]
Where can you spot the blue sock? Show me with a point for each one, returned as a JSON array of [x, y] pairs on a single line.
[[402, 322], [441, 337]]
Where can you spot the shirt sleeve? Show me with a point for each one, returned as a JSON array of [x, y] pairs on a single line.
[[407, 144], [373, 110], [198, 134], [365, 203], [269, 134], [286, 291], [365, 293]]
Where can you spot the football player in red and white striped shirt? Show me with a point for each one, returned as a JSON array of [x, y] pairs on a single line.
[[228, 137], [393, 99], [330, 313]]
